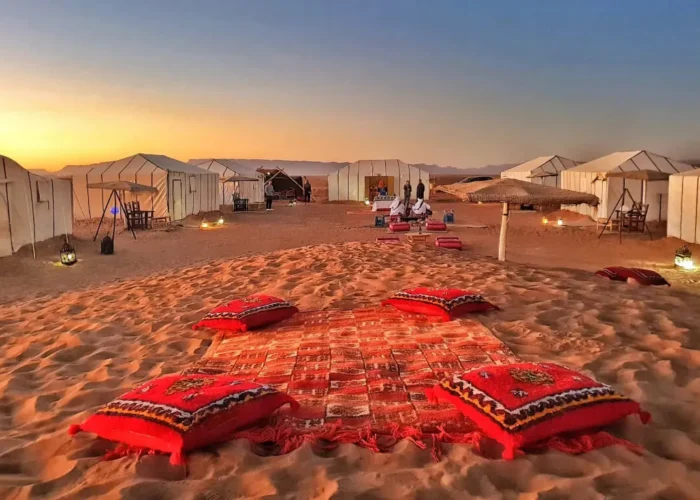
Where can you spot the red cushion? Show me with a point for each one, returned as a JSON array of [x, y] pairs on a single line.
[[611, 273], [524, 403], [435, 226], [251, 312], [642, 276], [439, 238], [451, 244], [398, 227], [178, 413], [389, 239], [444, 302]]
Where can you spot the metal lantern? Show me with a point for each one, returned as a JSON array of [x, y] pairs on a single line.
[[68, 257], [684, 258]]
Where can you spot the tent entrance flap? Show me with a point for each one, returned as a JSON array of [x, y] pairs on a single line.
[[178, 209]]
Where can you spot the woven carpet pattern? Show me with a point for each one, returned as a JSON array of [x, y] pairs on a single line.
[[364, 367]]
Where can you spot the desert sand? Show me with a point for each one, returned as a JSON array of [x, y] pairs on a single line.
[[75, 338]]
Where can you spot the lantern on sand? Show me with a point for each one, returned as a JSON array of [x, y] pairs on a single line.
[[68, 257], [684, 258]]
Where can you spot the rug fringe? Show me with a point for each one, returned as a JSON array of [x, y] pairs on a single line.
[[330, 436], [583, 443]]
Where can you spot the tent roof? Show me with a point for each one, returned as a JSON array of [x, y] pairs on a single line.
[[171, 164], [516, 191], [608, 162], [163, 162], [540, 162], [615, 161], [291, 167], [231, 167], [694, 172], [531, 165], [7, 158], [123, 186]]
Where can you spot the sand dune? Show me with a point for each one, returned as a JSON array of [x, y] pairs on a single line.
[[66, 354]]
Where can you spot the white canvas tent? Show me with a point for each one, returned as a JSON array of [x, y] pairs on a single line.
[[183, 189], [592, 178], [353, 182], [544, 170], [228, 169], [684, 206], [33, 208]]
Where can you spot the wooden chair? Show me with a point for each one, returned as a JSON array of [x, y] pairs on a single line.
[[135, 218], [637, 217]]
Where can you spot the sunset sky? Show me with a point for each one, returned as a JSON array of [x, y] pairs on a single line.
[[462, 83]]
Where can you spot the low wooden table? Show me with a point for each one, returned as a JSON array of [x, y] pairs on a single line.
[[418, 241]]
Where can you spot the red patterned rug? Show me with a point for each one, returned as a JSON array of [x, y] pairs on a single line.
[[357, 374]]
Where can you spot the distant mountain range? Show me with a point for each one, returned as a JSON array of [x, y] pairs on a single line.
[[486, 170], [326, 168]]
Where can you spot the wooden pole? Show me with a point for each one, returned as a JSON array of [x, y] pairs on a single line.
[[29, 210], [504, 230]]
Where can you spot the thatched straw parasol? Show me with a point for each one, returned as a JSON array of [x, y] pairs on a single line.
[[508, 191]]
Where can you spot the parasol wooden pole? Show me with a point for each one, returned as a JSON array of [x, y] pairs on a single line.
[[504, 230]]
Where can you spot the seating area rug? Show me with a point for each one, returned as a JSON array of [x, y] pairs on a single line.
[[359, 375]]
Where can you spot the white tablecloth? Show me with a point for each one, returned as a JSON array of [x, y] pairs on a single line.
[[382, 205]]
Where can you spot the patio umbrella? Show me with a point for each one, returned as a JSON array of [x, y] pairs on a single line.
[[115, 187], [507, 191], [123, 186], [240, 178], [641, 175]]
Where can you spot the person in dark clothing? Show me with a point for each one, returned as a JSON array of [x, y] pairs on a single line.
[[307, 191], [420, 190], [269, 195], [407, 190]]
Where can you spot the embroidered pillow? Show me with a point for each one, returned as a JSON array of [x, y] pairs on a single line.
[[644, 277], [179, 413], [525, 403], [443, 302], [251, 312]]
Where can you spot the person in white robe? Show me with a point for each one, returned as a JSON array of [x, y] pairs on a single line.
[[421, 209], [397, 207]]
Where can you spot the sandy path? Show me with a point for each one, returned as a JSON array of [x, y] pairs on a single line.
[[529, 242], [64, 355]]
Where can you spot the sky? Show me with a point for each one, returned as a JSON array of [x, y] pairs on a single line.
[[462, 83]]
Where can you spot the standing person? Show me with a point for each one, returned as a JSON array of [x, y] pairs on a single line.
[[307, 191], [407, 190], [420, 190], [269, 194]]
